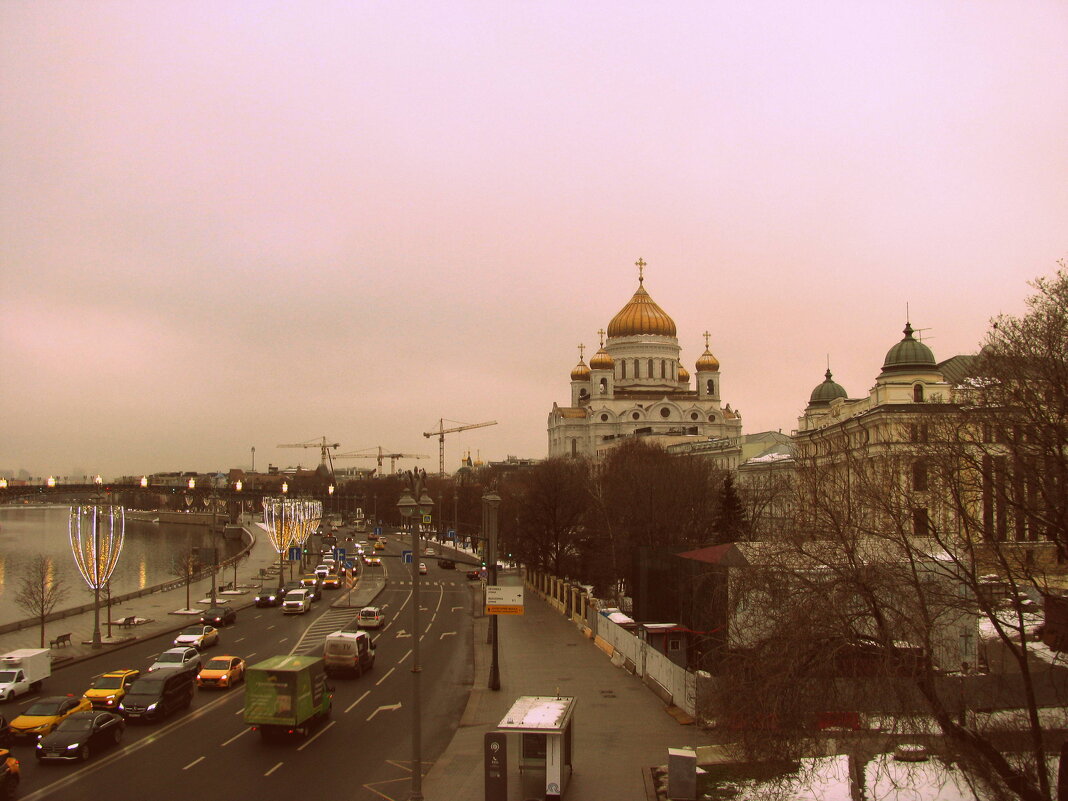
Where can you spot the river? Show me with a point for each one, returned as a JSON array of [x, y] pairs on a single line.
[[147, 554]]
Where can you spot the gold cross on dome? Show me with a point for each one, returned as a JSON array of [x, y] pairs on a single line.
[[640, 264], [600, 333], [706, 335], [582, 351]]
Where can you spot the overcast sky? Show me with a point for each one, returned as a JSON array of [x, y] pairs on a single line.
[[227, 225]]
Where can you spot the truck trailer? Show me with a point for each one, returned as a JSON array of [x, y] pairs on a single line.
[[287, 695], [23, 671]]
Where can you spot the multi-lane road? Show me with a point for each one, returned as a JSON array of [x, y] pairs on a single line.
[[207, 752]]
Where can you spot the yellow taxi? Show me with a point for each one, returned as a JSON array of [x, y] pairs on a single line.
[[109, 689], [331, 582], [222, 672], [45, 714], [379, 546]]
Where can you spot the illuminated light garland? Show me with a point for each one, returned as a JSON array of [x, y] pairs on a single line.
[[96, 538], [290, 521]]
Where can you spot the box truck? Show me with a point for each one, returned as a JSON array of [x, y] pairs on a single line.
[[287, 695], [23, 671]]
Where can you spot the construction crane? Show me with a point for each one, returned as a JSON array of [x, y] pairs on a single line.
[[442, 431], [393, 457], [323, 445]]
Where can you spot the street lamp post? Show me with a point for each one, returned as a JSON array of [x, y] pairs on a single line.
[[96, 552], [491, 501], [409, 506]]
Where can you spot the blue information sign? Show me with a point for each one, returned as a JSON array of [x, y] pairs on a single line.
[[406, 557], [294, 553], [339, 554], [378, 531], [452, 533]]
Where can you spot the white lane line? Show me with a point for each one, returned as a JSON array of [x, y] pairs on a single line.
[[242, 732], [249, 656], [367, 693], [390, 708], [268, 629], [406, 655], [455, 608], [239, 639], [240, 712], [384, 676], [283, 639], [272, 770], [317, 734], [445, 634], [194, 762]]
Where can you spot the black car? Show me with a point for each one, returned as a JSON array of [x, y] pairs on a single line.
[[446, 564], [315, 590], [81, 734], [268, 596], [290, 586], [474, 575], [218, 616]]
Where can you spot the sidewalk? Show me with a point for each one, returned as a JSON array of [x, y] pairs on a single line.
[[620, 728]]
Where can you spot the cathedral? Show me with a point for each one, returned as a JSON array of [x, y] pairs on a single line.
[[637, 386]]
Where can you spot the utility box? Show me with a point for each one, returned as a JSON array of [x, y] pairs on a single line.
[[682, 774]]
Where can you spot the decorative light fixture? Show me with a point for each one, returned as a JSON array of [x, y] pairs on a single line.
[[51, 482], [287, 521], [97, 532], [192, 483], [144, 482]]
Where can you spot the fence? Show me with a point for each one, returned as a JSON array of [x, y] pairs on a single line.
[[118, 599]]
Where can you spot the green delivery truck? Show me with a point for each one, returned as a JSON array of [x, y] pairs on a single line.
[[287, 695]]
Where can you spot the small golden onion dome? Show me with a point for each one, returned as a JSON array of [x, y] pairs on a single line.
[[684, 374], [641, 316], [707, 363], [602, 361], [581, 372]]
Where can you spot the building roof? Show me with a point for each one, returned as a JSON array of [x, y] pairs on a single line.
[[727, 555], [641, 315], [908, 354]]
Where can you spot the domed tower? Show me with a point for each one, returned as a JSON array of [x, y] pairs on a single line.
[[642, 343], [707, 374], [910, 373], [602, 372], [825, 392], [580, 381]]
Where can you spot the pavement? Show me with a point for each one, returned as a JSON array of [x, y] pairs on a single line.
[[620, 731]]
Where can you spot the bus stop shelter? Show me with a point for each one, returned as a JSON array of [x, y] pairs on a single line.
[[544, 725]]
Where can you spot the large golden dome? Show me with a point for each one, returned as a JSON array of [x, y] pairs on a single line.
[[641, 316]]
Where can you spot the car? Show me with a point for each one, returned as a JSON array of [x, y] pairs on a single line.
[[182, 658], [81, 734], [367, 560], [156, 695], [446, 564], [474, 575], [313, 587], [289, 587], [370, 617], [332, 582], [430, 550], [422, 569], [297, 602], [375, 560], [271, 596], [322, 570], [107, 691], [380, 545], [199, 637], [44, 714], [221, 672], [219, 616]]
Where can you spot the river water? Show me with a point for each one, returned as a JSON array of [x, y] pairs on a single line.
[[147, 554]]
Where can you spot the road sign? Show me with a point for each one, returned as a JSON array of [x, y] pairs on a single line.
[[452, 533], [294, 553], [378, 531], [339, 554], [426, 520], [504, 600], [406, 557]]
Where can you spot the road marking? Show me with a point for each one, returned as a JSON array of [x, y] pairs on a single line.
[[406, 655], [250, 656], [366, 693], [194, 762], [317, 734], [239, 639], [455, 608], [272, 770], [390, 708], [445, 634], [400, 635], [283, 639], [242, 732], [384, 676], [268, 629]]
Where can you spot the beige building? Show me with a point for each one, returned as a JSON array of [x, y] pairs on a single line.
[[635, 385]]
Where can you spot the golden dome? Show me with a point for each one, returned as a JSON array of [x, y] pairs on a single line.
[[684, 374], [602, 361], [707, 363], [641, 316], [581, 372]]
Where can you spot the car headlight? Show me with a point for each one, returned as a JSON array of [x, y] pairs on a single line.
[[198, 677], [150, 707], [39, 744], [122, 708], [71, 747]]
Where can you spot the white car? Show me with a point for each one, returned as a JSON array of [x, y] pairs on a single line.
[[177, 659], [199, 637], [422, 569], [370, 617], [297, 602], [430, 551]]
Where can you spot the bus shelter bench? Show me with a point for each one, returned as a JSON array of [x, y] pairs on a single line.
[[62, 639]]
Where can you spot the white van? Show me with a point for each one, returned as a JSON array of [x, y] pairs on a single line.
[[370, 617], [349, 652]]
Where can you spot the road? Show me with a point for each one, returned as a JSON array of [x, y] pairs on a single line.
[[208, 750]]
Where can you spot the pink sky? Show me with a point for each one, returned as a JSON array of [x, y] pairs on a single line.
[[227, 225]]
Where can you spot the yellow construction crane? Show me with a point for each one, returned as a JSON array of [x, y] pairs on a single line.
[[393, 457], [323, 445], [442, 431]]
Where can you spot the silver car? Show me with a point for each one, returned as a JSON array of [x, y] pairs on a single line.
[[177, 659]]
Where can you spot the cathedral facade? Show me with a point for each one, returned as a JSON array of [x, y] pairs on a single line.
[[635, 385]]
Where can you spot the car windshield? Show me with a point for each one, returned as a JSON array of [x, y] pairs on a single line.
[[217, 612], [43, 709], [369, 613], [108, 683], [194, 630], [76, 724], [168, 656], [7, 676], [218, 664]]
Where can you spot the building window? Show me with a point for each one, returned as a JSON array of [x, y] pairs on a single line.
[[623, 368], [711, 386], [635, 416], [694, 415], [711, 418], [637, 372], [921, 524], [919, 475], [665, 412], [650, 368], [604, 418], [917, 393], [574, 447], [604, 385], [674, 644], [663, 369]]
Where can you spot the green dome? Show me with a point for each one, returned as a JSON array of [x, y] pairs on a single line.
[[908, 354], [826, 392]]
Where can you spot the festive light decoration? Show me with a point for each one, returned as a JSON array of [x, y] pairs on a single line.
[[96, 537]]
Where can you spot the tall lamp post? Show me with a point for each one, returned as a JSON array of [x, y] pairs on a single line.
[[96, 552], [409, 506], [491, 501]]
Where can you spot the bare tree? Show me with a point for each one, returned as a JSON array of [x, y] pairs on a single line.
[[185, 565], [40, 590]]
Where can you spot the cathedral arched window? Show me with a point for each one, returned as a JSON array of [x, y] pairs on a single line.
[[604, 385], [663, 369], [917, 393], [637, 372], [623, 368], [711, 387], [650, 368]]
